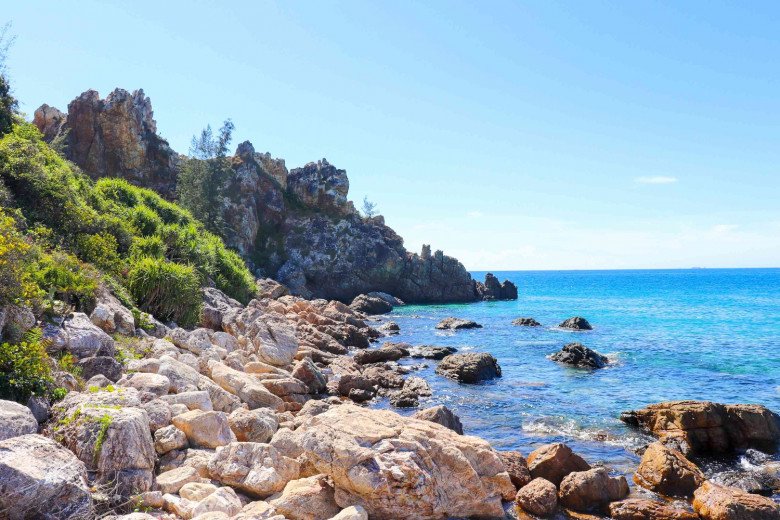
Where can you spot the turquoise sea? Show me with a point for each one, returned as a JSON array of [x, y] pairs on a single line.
[[670, 334]]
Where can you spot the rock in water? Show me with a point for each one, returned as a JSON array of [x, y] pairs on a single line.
[[526, 322], [703, 427], [442, 415], [388, 352], [431, 352], [400, 467], [539, 497], [591, 490], [578, 355], [471, 367], [668, 472], [369, 304], [492, 289], [714, 502], [457, 324], [41, 479], [576, 323], [554, 461], [16, 420], [642, 509]]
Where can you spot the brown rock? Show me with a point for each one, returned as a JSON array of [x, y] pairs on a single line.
[[555, 461], [253, 468], [643, 509], [205, 429], [253, 425], [714, 502], [310, 498], [591, 490], [668, 472], [539, 497], [517, 467], [440, 414]]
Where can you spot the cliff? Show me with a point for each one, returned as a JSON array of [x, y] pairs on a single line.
[[297, 226]]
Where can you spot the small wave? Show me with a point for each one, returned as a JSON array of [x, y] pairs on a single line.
[[572, 429]]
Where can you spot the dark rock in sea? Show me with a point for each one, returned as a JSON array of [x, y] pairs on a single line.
[[456, 324], [492, 289], [576, 323], [431, 352], [388, 352], [368, 304], [578, 355], [409, 395], [471, 367], [390, 328], [703, 427], [441, 415], [758, 482], [401, 399], [360, 395], [526, 322]]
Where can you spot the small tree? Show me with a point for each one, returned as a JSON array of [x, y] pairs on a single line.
[[369, 208]]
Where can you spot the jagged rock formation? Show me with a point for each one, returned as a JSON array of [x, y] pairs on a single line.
[[113, 137], [296, 226]]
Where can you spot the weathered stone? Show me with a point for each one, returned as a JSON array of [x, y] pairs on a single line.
[[159, 413], [196, 491], [371, 304], [84, 339], [517, 467], [16, 420], [526, 322], [15, 321], [668, 472], [41, 479], [258, 510], [271, 289], [181, 507], [431, 352], [271, 339], [457, 324], [169, 438], [144, 382], [248, 389], [205, 429], [643, 509], [173, 480], [576, 323], [352, 513], [555, 461], [253, 468], [389, 328], [492, 289], [305, 370], [310, 498], [253, 425], [539, 497], [111, 316], [471, 367], [442, 415], [223, 500], [702, 427], [388, 352], [591, 490], [375, 456], [714, 502], [578, 355], [215, 305], [195, 400]]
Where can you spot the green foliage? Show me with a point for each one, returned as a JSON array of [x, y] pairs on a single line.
[[104, 423], [100, 249], [145, 220], [66, 278], [67, 363], [24, 369], [167, 290], [16, 284]]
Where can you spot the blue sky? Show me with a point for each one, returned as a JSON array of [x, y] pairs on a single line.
[[513, 135]]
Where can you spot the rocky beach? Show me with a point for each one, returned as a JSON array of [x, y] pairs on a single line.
[[304, 400]]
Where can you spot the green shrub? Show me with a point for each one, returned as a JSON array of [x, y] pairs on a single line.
[[167, 290], [100, 249], [16, 284], [24, 369], [145, 220], [65, 277]]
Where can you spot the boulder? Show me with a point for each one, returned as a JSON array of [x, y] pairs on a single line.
[[442, 415], [376, 456], [311, 498], [244, 386], [84, 339], [222, 503], [100, 365], [15, 321], [305, 370], [575, 323], [268, 336], [253, 468], [205, 429], [16, 420], [517, 467], [253, 425], [271, 289], [578, 355], [471, 367], [41, 479], [215, 305], [156, 384], [389, 328], [555, 461], [431, 352], [173, 480], [591, 490], [196, 491], [714, 502], [111, 316], [703, 427], [539, 497], [457, 324], [643, 509], [370, 304], [388, 352], [169, 438], [195, 400], [351, 513], [668, 472], [526, 322]]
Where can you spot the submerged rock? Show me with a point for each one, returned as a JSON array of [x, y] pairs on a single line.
[[703, 427], [578, 355], [471, 367], [457, 324], [576, 323], [431, 352], [526, 322]]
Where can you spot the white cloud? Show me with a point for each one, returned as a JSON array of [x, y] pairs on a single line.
[[720, 229], [474, 214], [657, 179]]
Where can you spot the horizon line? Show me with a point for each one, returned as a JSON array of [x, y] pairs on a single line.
[[620, 269]]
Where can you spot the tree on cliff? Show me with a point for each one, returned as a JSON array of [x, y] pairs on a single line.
[[369, 208], [203, 176]]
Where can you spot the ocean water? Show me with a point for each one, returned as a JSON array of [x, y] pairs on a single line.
[[709, 334]]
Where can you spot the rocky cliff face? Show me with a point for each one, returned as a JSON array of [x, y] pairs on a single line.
[[113, 137], [297, 226]]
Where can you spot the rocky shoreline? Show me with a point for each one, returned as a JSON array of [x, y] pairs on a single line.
[[256, 415]]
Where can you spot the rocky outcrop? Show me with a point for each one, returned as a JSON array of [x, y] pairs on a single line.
[[113, 137], [578, 355], [643, 509], [714, 502], [576, 323], [492, 289], [668, 472], [321, 185], [369, 304], [526, 322], [703, 427], [472, 367]]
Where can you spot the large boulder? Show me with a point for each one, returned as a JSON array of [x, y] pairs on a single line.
[[84, 339], [16, 420], [668, 472], [517, 467], [305, 370], [539, 497], [703, 427], [369, 304], [714, 502], [310, 498], [576, 323], [591, 490], [388, 352], [440, 414], [41, 479], [457, 324], [253, 425], [111, 316], [374, 457], [15, 321], [253, 468], [471, 367], [156, 384], [105, 366], [578, 355], [555, 461], [643, 509], [205, 429], [270, 337], [216, 304]]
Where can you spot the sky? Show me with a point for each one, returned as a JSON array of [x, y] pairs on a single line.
[[512, 135]]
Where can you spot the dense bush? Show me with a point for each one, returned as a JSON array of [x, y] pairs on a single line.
[[25, 369], [64, 277], [16, 282], [167, 290]]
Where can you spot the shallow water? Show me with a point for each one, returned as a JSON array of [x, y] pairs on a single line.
[[670, 334]]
